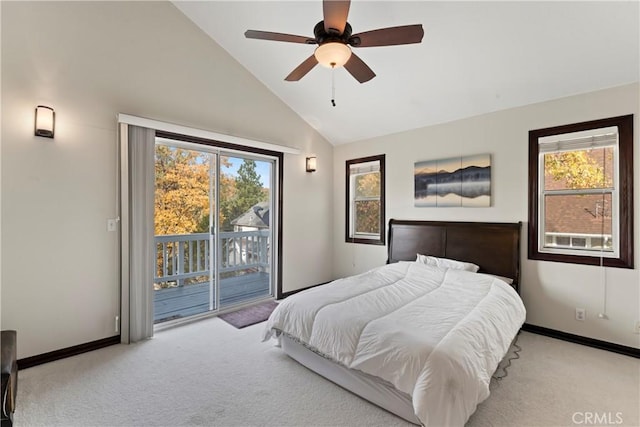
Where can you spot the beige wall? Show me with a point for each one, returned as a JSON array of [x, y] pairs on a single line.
[[90, 61], [551, 291]]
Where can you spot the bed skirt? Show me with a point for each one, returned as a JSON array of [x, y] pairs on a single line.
[[366, 386]]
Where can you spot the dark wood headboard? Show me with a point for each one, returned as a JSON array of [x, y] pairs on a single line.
[[495, 247]]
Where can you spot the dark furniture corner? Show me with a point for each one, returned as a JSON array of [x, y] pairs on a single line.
[[9, 361]]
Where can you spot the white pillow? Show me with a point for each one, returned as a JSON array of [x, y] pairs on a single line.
[[507, 280], [447, 263]]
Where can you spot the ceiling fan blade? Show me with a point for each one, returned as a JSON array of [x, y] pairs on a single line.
[[335, 14], [405, 34], [278, 37], [359, 69], [302, 69]]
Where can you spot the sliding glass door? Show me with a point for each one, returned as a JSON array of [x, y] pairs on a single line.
[[245, 231], [213, 229]]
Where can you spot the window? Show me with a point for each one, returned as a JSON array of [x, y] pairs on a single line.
[[581, 193], [365, 200]]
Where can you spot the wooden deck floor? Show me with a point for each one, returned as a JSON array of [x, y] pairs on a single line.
[[174, 303]]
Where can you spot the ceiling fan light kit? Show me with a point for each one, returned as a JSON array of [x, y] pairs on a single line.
[[332, 54], [333, 37]]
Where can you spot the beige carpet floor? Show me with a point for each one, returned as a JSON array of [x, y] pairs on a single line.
[[209, 373]]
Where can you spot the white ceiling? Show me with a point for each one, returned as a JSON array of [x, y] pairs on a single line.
[[475, 57]]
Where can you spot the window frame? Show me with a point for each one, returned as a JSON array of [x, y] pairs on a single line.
[[612, 191], [624, 205], [350, 202]]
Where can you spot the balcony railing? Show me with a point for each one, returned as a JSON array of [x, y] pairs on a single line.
[[181, 257], [183, 271]]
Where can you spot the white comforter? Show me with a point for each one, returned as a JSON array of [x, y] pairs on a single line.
[[435, 334]]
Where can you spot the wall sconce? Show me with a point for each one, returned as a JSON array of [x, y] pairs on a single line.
[[311, 164], [45, 121]]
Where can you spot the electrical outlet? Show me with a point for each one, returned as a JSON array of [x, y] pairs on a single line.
[[636, 330], [580, 314]]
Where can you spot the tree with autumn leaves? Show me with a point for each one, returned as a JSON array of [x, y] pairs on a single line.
[[367, 218], [180, 175], [580, 169], [182, 191]]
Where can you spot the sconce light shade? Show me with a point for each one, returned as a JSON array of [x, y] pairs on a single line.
[[311, 164], [45, 121]]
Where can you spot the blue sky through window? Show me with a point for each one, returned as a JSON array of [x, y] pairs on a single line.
[[262, 168]]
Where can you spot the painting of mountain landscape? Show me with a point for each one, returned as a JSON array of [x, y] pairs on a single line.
[[458, 181]]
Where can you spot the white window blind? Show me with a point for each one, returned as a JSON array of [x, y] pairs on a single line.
[[368, 167], [578, 141]]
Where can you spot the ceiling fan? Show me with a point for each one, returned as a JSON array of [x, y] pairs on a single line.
[[333, 37]]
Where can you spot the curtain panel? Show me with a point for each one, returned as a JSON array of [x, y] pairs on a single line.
[[137, 150]]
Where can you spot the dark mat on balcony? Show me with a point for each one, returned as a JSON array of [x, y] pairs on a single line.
[[249, 315]]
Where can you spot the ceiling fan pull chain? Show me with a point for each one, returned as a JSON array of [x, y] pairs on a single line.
[[333, 85]]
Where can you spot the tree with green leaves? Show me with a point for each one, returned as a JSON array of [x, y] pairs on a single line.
[[248, 192]]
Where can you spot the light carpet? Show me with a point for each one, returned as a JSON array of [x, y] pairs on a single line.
[[209, 373]]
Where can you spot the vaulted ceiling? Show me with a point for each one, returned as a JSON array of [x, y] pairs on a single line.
[[475, 57]]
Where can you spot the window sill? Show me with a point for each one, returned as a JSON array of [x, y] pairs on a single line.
[[582, 259]]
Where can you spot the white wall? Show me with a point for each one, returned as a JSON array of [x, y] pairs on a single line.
[[551, 291], [90, 61]]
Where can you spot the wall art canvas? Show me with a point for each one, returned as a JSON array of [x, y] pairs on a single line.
[[459, 181]]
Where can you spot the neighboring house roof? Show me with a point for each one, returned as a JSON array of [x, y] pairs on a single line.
[[257, 216]]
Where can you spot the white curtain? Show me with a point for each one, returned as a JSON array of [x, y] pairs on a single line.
[[138, 254]]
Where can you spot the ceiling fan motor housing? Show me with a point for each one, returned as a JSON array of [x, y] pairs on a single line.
[[333, 35]]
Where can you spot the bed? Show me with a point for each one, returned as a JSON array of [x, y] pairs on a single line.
[[422, 335]]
